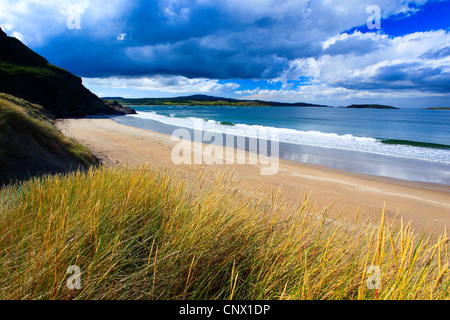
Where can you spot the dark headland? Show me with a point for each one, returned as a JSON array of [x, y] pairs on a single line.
[[33, 93], [370, 106]]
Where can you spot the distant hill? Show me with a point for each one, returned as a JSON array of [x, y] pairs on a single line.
[[438, 108], [27, 75], [370, 106], [205, 100]]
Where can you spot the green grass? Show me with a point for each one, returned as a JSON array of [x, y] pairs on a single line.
[[17, 62], [186, 102], [16, 70], [201, 101], [3, 140], [28, 78], [143, 233]]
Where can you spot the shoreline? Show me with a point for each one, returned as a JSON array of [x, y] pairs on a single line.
[[424, 204], [360, 154]]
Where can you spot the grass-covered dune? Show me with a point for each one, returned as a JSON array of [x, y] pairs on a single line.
[[143, 233], [31, 145]]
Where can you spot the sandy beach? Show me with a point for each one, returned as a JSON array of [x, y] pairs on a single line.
[[427, 206]]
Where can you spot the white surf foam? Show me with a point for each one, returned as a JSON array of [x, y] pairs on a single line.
[[308, 138]]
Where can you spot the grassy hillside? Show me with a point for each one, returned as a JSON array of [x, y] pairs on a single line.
[[145, 233], [25, 74], [204, 100], [31, 145]]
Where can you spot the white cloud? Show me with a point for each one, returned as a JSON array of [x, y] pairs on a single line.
[[338, 96], [172, 84], [372, 73], [17, 35], [260, 35], [39, 21]]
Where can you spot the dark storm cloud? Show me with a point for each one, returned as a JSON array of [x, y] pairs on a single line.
[[202, 40], [231, 39]]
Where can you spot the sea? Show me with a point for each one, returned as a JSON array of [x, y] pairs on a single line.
[[405, 144]]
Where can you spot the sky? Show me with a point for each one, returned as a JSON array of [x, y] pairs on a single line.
[[334, 52]]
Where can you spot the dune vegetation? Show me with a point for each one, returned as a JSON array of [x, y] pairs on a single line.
[[151, 233], [30, 144]]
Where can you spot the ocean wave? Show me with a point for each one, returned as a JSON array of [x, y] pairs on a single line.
[[416, 144], [396, 148]]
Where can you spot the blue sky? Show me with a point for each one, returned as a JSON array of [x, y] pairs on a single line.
[[316, 51]]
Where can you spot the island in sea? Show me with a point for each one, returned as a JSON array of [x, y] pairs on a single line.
[[370, 106], [207, 100], [439, 108]]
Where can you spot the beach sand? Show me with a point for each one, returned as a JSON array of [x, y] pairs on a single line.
[[425, 205]]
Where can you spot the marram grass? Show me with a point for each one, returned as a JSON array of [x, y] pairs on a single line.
[[145, 233]]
